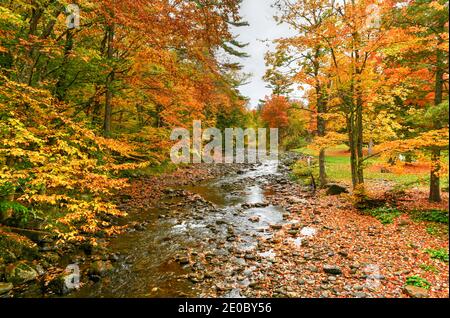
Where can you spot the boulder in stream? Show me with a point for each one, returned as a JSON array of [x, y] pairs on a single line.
[[20, 273]]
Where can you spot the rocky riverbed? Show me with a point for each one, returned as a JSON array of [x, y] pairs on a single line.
[[248, 231]]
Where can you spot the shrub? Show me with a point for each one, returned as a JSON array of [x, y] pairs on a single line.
[[418, 282], [301, 169], [432, 216], [440, 254], [429, 268], [21, 214]]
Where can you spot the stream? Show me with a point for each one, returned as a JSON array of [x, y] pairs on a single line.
[[220, 218]]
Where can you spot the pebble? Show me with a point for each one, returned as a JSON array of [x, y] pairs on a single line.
[[313, 269]]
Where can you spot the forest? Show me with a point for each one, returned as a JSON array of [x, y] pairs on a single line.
[[356, 206]]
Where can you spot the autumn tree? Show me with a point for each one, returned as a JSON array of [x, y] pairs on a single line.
[[425, 22], [130, 72], [275, 113], [304, 58]]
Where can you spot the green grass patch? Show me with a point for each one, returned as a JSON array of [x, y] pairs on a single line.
[[338, 169], [418, 282], [439, 254]]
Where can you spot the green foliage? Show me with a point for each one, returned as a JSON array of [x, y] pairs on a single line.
[[301, 169], [386, 215], [439, 254], [437, 216], [6, 189], [435, 115], [429, 268], [418, 282], [16, 207], [21, 214], [302, 173], [432, 230]]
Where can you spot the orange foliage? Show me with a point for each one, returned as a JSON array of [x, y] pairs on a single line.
[[275, 112]]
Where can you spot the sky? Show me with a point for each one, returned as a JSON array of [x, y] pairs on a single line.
[[259, 14]]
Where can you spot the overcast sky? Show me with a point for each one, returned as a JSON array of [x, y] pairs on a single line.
[[262, 27]]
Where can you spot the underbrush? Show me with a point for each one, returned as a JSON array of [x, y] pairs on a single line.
[[438, 254], [436, 216], [386, 215], [418, 282], [151, 170]]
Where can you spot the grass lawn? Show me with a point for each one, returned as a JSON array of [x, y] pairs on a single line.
[[338, 169]]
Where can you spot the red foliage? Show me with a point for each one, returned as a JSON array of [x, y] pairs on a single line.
[[275, 112]]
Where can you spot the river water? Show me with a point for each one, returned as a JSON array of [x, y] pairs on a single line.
[[233, 213]]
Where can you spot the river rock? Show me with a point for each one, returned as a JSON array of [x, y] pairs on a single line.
[[221, 222], [336, 189], [332, 269], [276, 226], [100, 268], [183, 260], [297, 200], [196, 277], [250, 257], [5, 288], [20, 273], [415, 292], [62, 284], [13, 247]]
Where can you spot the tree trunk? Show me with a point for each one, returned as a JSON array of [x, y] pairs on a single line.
[[321, 132], [109, 82], [140, 117], [321, 123], [435, 187], [322, 172], [359, 135], [352, 144], [60, 86], [108, 105]]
